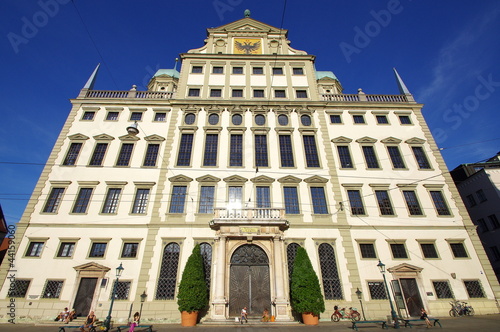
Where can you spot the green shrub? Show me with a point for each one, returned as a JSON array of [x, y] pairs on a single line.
[[193, 292], [305, 292]]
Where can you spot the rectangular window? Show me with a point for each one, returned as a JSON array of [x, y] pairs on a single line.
[[474, 288], [130, 249], [54, 200], [396, 158], [482, 225], [298, 71], [358, 119], [184, 157], [237, 70], [404, 119], [291, 200], [370, 157], [367, 250], [421, 158], [18, 288], [197, 70], [125, 154], [112, 116], [122, 290], [382, 119], [136, 116], [312, 159], [140, 201], [72, 155], [384, 202], [429, 250], [235, 197], [279, 94], [261, 150], [319, 200], [495, 253], [211, 145], [98, 155], [398, 250], [442, 289], [34, 249], [193, 92], [471, 200], [82, 200], [286, 151], [412, 203], [207, 198], [345, 156], [377, 290], [218, 70], [52, 289], [98, 249], [440, 203], [215, 93], [257, 93], [66, 249], [335, 118], [112, 199], [356, 202], [258, 70], [494, 221], [237, 93], [178, 199], [481, 196], [301, 94], [458, 250], [263, 197], [160, 117], [236, 150], [88, 116], [151, 155], [277, 71]]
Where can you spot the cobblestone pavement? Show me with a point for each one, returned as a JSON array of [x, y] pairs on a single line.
[[485, 323]]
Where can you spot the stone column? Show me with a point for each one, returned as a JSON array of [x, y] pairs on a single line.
[[280, 302], [219, 303]]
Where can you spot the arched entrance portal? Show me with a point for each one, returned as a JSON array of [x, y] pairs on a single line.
[[249, 281]]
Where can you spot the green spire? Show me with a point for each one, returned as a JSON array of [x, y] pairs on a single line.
[[247, 12]]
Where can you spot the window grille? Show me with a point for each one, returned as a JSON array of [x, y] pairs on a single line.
[[412, 203], [98, 249], [218, 70], [458, 250], [291, 252], [319, 200], [112, 116], [136, 116], [335, 118], [301, 94], [184, 157], [258, 70], [151, 155], [237, 70], [18, 288], [277, 71], [125, 154], [440, 203], [311, 152], [88, 116], [344, 156], [34, 249], [367, 250], [356, 203], [211, 145], [474, 288], [111, 202], [52, 289], [258, 93], [207, 199], [443, 290], [167, 281], [404, 119], [193, 93], [197, 70], [130, 249], [384, 203], [141, 201], [236, 150], [429, 250], [331, 282], [298, 71], [398, 250], [396, 158], [286, 151], [382, 119], [421, 158], [494, 221], [291, 200], [98, 155], [66, 249], [73, 152], [206, 254], [377, 290], [178, 199], [263, 197], [261, 150], [279, 94], [358, 119], [54, 200], [122, 290], [160, 117], [215, 93], [370, 157]]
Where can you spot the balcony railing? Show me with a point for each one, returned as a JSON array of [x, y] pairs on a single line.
[[129, 94], [249, 214], [365, 97]]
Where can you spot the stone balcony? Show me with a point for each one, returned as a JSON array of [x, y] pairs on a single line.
[[249, 217]]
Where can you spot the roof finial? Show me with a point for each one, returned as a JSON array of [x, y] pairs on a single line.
[[247, 12], [90, 83], [401, 85]]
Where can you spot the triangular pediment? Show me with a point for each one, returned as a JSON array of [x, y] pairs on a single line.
[[366, 139], [156, 138], [78, 137], [103, 137], [415, 140], [342, 139], [246, 24], [91, 267], [405, 268], [207, 178], [289, 179], [315, 179], [235, 178], [262, 179], [129, 138], [180, 178], [391, 140]]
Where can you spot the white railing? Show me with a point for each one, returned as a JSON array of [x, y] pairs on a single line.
[[261, 214], [365, 97], [129, 94]]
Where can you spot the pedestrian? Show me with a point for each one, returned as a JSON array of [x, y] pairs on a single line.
[[244, 315], [423, 316], [89, 322]]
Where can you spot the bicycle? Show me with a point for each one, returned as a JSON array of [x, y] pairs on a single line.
[[460, 309], [352, 314]]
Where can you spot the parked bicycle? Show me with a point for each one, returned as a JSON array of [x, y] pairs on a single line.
[[460, 309], [351, 313]]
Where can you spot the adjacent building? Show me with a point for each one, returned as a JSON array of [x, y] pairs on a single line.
[[251, 152]]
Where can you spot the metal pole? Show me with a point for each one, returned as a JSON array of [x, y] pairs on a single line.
[[140, 313], [107, 322], [393, 313], [362, 309]]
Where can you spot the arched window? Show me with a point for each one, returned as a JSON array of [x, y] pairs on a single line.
[[291, 252], [329, 273], [206, 253], [167, 280]]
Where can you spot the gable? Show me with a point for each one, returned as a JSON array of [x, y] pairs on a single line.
[[246, 24], [262, 179], [207, 178], [180, 178], [315, 179], [235, 178], [289, 179]]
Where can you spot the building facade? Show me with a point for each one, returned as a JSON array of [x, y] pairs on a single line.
[[250, 152]]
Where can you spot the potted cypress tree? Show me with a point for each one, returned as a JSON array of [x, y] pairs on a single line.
[[193, 292], [305, 290]]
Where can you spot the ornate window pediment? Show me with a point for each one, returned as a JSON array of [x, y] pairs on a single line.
[[366, 139], [103, 137], [262, 179], [78, 137], [289, 179], [180, 178], [154, 137], [342, 139], [391, 140], [415, 140], [128, 138], [91, 267], [207, 178], [235, 178], [315, 179], [405, 268]]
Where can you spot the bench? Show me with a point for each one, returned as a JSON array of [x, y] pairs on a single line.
[[62, 328], [407, 321], [148, 328], [355, 324]]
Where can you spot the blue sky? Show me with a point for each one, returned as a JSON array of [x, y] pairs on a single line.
[[446, 51]]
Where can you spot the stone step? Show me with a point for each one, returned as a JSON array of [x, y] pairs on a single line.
[[252, 321]]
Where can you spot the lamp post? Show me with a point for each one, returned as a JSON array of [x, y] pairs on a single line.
[[381, 267], [358, 293], [143, 298], [107, 322]]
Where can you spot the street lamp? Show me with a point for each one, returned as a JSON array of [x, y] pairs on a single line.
[[358, 293], [107, 322], [381, 267], [143, 298]]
